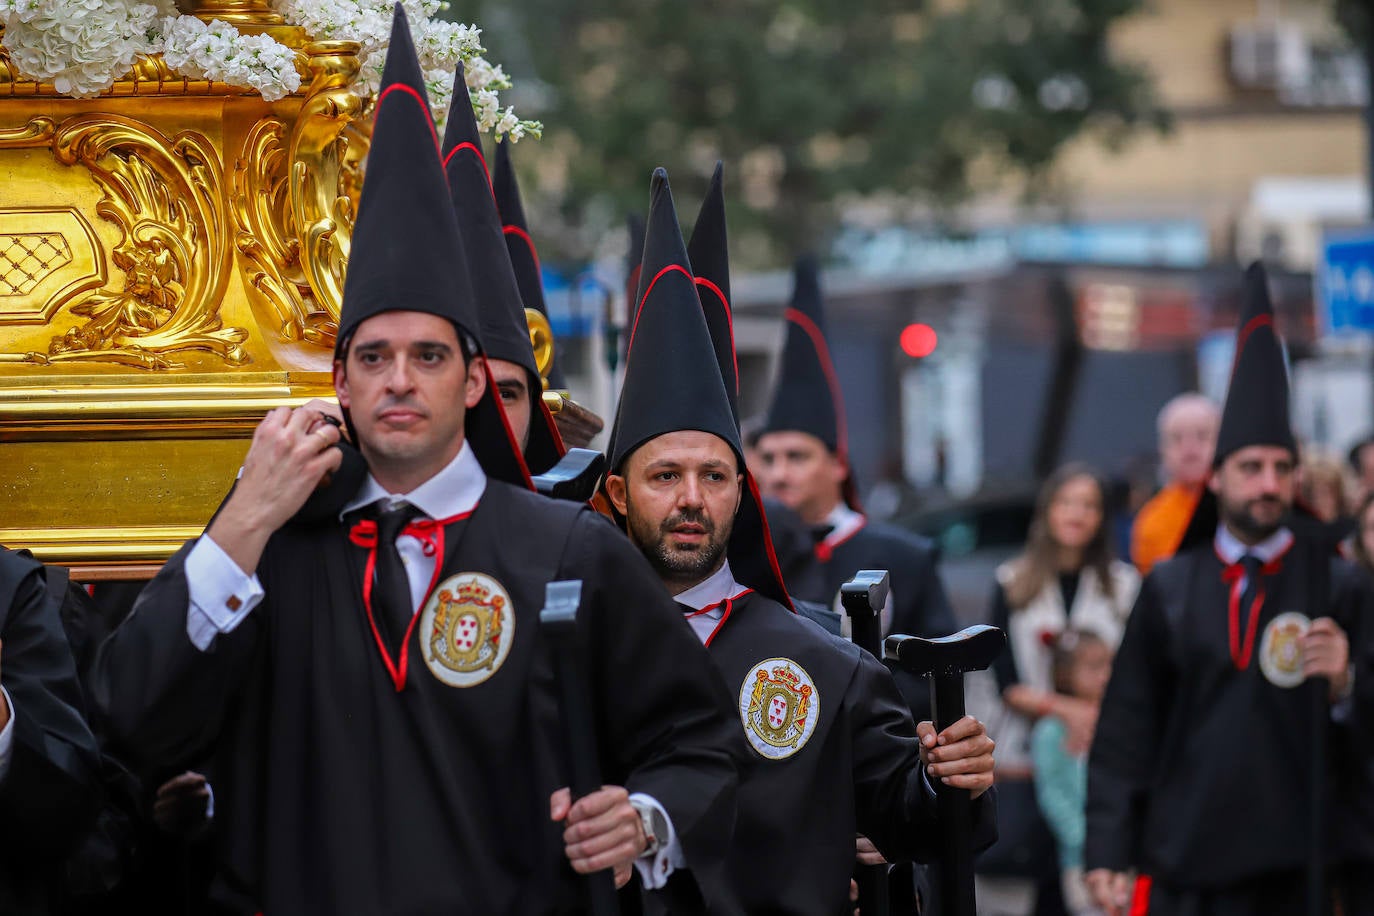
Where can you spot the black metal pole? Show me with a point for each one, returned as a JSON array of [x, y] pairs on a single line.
[[945, 661], [863, 599], [558, 623], [955, 806]]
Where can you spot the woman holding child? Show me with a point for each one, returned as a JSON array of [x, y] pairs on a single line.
[[1065, 579]]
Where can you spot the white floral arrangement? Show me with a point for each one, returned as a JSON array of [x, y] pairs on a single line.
[[83, 46]]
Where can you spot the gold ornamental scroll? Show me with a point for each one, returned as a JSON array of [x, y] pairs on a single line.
[[172, 257]]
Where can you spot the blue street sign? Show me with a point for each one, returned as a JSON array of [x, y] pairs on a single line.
[[1345, 282]]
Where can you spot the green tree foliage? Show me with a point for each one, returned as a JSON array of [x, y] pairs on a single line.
[[809, 102]]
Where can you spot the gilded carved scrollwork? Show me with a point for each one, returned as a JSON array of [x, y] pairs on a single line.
[[267, 235], [165, 194], [295, 194]]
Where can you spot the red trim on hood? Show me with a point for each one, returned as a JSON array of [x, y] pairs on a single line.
[[1251, 326], [803, 321], [553, 428], [645, 298], [512, 229], [515, 449], [729, 321], [410, 91], [480, 158], [768, 539]]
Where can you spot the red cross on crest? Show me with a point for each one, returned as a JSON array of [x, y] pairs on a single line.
[[777, 712], [465, 633]]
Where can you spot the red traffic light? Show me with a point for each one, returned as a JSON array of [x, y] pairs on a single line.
[[918, 340]]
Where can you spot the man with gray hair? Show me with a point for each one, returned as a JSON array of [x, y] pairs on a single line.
[[1187, 437]]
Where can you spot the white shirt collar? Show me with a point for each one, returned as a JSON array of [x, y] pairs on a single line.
[[714, 589], [456, 489], [1231, 549], [843, 521]]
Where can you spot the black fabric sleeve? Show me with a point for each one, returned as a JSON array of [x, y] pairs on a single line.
[[1121, 763], [665, 720], [52, 790], [165, 700], [1004, 669]]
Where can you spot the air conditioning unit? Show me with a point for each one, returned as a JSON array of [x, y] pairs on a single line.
[[1269, 55]]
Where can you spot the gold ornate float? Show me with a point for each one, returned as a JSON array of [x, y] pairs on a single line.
[[172, 256]]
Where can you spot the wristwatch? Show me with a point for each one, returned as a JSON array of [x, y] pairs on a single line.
[[655, 826]]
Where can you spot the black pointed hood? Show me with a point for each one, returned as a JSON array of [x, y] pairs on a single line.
[[404, 228], [406, 253], [1256, 410], [501, 311], [524, 257], [673, 382], [710, 256], [807, 397]]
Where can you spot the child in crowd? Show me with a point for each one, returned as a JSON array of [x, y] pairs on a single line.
[[1082, 667]]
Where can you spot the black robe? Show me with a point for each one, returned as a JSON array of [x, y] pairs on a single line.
[[1199, 772], [52, 791], [340, 795], [858, 770], [920, 607]]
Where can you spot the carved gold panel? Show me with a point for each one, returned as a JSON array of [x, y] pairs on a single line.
[[172, 261], [47, 256]]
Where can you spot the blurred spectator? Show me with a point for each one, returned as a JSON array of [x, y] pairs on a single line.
[[1082, 666], [1065, 578], [1324, 492], [1362, 542], [1187, 437], [1362, 463]]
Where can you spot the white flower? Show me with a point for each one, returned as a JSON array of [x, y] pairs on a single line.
[[218, 51], [83, 46]]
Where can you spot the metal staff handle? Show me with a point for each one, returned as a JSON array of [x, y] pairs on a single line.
[[945, 661], [558, 623], [863, 599], [574, 477]]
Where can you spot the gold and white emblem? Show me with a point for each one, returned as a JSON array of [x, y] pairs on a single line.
[[1281, 649], [467, 629], [780, 706]]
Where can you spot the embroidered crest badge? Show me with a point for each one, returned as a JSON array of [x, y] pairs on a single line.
[[780, 705], [467, 629], [1281, 649]]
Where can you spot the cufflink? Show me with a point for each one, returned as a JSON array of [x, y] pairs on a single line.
[[233, 603]]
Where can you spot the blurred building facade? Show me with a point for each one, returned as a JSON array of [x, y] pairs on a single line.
[[1063, 330]]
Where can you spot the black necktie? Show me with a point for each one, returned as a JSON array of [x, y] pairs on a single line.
[[391, 600], [1251, 564]]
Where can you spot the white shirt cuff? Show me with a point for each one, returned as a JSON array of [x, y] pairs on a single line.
[[926, 783], [655, 870], [6, 736], [222, 595]]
